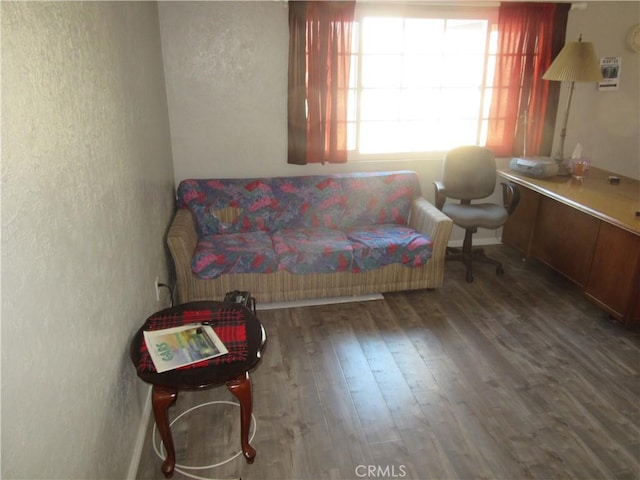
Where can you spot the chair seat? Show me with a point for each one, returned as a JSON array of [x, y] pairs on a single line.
[[477, 215]]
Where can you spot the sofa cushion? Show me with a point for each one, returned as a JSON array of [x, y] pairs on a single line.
[[252, 200], [379, 198], [313, 250], [250, 252], [308, 202], [375, 246]]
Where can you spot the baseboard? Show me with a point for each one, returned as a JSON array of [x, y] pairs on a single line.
[[319, 301], [140, 438], [476, 242]]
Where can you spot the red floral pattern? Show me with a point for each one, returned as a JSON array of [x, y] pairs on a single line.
[[305, 224]]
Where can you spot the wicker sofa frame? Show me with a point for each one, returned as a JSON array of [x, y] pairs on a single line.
[[283, 286]]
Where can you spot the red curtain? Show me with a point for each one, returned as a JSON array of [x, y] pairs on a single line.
[[530, 35], [319, 60]]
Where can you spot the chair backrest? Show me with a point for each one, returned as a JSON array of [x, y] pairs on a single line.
[[469, 173]]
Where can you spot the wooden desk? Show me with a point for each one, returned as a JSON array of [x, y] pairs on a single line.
[[586, 230]]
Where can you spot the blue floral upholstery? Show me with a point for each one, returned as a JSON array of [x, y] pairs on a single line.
[[304, 224], [377, 245], [305, 202], [313, 250], [376, 199], [254, 198], [234, 253]]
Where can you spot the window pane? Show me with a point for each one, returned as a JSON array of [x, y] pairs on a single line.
[[467, 36], [379, 137], [421, 71], [353, 72], [381, 70], [351, 136], [487, 102], [458, 132], [352, 106], [379, 104], [420, 136], [491, 69], [461, 102], [420, 104], [462, 70], [382, 35], [424, 35], [484, 132]]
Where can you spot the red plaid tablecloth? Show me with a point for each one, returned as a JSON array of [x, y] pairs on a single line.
[[229, 325]]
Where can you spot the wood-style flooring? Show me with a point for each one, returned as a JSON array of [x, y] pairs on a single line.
[[511, 377]]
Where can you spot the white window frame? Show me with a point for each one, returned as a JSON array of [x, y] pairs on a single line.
[[488, 13]]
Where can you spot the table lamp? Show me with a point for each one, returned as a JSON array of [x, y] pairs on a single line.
[[576, 62]]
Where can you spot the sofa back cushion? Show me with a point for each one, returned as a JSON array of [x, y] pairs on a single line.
[[379, 198], [309, 201], [229, 205]]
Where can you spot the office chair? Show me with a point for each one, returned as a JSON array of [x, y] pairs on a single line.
[[469, 173]]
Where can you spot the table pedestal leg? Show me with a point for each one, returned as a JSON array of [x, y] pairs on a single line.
[[241, 388], [162, 398]]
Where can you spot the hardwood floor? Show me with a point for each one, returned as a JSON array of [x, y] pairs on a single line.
[[510, 377]]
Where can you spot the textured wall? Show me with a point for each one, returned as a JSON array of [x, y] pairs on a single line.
[[87, 195], [606, 124], [226, 71]]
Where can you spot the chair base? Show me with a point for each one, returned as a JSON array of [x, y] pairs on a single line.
[[468, 255]]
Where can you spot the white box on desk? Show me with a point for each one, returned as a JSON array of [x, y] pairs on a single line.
[[537, 167]]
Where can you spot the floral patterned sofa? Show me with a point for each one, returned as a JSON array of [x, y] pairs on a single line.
[[300, 237]]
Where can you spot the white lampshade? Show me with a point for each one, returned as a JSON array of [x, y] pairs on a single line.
[[576, 62]]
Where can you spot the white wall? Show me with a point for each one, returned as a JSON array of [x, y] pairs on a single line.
[[87, 195], [226, 71]]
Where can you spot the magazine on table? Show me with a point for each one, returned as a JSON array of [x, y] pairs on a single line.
[[171, 348]]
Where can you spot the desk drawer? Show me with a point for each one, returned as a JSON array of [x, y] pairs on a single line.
[[564, 238], [614, 279]]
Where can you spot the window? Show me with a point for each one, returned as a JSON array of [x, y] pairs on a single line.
[[418, 81]]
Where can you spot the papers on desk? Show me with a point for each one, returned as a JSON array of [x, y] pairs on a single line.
[[176, 347]]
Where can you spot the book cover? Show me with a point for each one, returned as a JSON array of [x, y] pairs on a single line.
[[176, 347]]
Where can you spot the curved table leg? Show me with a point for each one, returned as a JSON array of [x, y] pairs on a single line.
[[162, 398], [241, 388]]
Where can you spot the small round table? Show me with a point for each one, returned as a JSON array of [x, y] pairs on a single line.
[[245, 355]]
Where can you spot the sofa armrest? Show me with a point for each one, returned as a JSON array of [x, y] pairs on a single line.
[[182, 240], [427, 219]]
